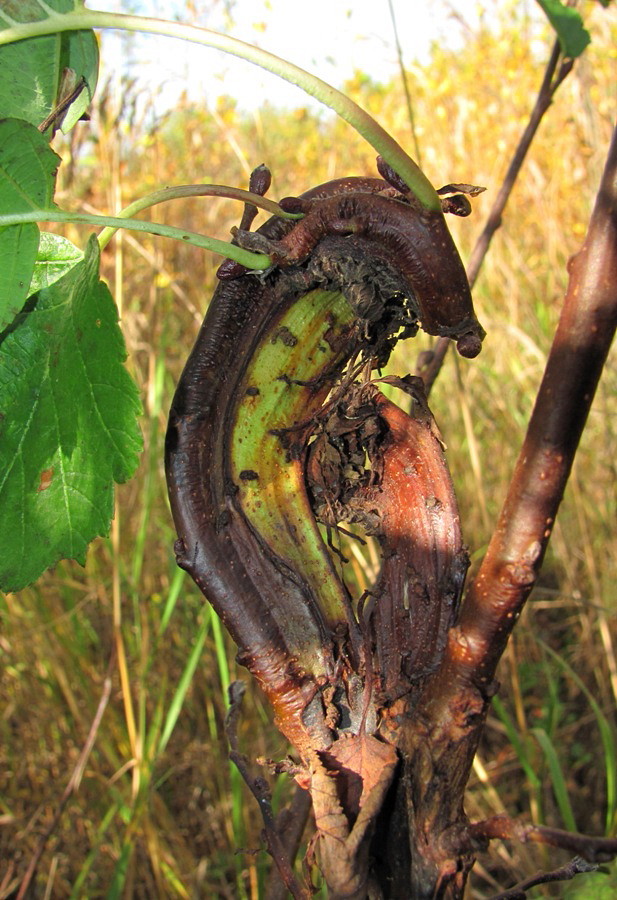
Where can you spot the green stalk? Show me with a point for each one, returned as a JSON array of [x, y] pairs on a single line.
[[81, 18], [253, 261], [195, 190]]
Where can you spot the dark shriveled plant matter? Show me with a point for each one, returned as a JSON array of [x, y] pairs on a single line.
[[244, 470], [384, 696]]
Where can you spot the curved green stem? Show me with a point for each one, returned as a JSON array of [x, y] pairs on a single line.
[[364, 124], [253, 261], [195, 190]]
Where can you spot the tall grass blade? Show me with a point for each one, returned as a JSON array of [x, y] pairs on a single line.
[[78, 884], [172, 598], [116, 888], [519, 747], [558, 781], [185, 680], [607, 736]]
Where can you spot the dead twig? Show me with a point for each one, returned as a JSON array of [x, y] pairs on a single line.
[[290, 824], [593, 850], [554, 75], [575, 867], [260, 790]]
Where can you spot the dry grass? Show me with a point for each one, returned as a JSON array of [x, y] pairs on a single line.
[[159, 813]]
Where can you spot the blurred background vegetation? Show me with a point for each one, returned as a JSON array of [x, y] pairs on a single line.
[[159, 811]]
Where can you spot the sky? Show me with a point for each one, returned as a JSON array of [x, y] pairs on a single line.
[[331, 38]]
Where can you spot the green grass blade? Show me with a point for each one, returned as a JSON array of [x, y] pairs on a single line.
[[172, 598], [221, 656], [557, 780], [185, 680], [118, 880], [151, 472], [235, 778], [78, 884], [517, 743]]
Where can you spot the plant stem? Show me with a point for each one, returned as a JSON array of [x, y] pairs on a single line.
[[194, 190], [252, 261], [509, 570], [405, 83], [551, 80], [575, 867], [347, 109], [550, 83], [595, 850], [447, 721]]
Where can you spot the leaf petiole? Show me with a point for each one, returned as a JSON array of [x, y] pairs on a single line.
[[81, 18], [252, 261], [195, 190]]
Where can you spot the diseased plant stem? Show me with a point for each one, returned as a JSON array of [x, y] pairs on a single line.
[[551, 80]]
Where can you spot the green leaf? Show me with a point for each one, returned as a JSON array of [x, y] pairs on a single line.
[[56, 256], [18, 246], [68, 423], [27, 178], [568, 25], [37, 72]]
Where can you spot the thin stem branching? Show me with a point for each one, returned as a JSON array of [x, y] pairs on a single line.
[[81, 18], [252, 261], [195, 190], [557, 69]]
